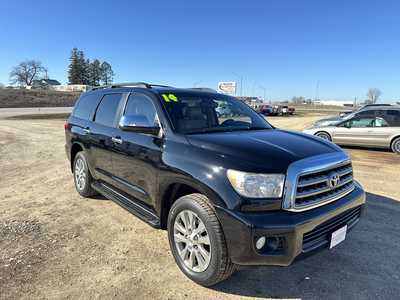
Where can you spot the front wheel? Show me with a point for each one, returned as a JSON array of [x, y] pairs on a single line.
[[324, 136], [396, 145], [197, 241]]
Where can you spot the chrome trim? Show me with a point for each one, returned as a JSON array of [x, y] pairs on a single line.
[[323, 190], [328, 200], [318, 163]]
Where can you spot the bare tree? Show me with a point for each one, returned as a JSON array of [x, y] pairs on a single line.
[[2, 86], [373, 95], [26, 72]]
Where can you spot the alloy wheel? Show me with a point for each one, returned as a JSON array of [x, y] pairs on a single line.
[[396, 146], [324, 136], [192, 241], [80, 174]]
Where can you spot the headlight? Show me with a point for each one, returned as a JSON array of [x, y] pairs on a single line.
[[254, 185]]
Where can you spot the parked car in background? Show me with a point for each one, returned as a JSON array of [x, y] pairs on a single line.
[[372, 127], [348, 114], [265, 109], [282, 110]]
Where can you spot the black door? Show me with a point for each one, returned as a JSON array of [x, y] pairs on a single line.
[[101, 132], [136, 157]]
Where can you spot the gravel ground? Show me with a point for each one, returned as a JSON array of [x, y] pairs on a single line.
[[57, 245]]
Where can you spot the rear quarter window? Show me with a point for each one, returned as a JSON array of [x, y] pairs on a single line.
[[86, 106], [393, 118]]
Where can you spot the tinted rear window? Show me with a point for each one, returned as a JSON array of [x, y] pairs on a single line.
[[393, 118], [107, 110], [86, 106]]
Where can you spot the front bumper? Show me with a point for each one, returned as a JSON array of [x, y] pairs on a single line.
[[242, 229]]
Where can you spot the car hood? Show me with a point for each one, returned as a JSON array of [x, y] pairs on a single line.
[[329, 121], [271, 150]]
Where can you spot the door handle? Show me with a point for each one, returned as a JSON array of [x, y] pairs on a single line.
[[116, 140], [86, 130]]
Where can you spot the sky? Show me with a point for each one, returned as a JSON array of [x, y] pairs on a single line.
[[285, 48]]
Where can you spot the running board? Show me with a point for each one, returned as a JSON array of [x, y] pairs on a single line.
[[133, 206]]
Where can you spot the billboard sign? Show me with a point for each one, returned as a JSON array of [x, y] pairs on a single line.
[[227, 87]]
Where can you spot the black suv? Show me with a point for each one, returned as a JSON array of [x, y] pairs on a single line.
[[230, 190]]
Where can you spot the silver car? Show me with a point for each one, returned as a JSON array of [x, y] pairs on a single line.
[[363, 110], [376, 128]]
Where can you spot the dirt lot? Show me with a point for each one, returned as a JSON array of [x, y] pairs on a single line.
[[55, 244]]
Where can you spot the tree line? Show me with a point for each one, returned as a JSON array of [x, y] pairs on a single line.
[[84, 71], [80, 71], [373, 96]]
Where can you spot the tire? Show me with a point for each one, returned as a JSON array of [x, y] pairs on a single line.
[[396, 145], [219, 266], [324, 135], [82, 178]]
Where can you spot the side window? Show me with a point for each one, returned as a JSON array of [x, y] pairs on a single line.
[[86, 106], [362, 122], [393, 118], [367, 113], [380, 122], [107, 110], [139, 104]]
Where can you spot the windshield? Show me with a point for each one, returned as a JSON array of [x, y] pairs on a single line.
[[192, 113]]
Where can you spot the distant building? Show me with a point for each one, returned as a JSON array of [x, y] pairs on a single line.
[[72, 88], [348, 103], [43, 84]]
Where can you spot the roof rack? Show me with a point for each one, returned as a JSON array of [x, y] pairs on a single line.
[[205, 89], [129, 84]]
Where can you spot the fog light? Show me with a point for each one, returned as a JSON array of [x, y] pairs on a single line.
[[260, 242], [273, 243]]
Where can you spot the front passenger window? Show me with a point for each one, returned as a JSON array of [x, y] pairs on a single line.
[[139, 104], [380, 122], [362, 122]]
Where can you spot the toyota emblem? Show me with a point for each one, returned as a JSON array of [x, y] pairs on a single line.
[[334, 180]]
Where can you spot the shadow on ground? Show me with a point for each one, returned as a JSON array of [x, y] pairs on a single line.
[[365, 266]]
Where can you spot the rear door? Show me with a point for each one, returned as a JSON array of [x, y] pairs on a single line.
[[102, 130], [80, 121]]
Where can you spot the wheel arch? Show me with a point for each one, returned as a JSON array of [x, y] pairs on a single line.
[[393, 139], [325, 132], [75, 148], [179, 188]]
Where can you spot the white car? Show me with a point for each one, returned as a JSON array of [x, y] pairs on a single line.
[[381, 130]]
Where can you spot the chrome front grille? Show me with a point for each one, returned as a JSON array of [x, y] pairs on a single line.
[[323, 185]]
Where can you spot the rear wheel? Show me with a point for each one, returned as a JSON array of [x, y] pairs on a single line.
[[324, 135], [396, 145], [82, 177], [197, 241]]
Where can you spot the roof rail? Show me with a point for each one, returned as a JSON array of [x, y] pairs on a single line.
[[205, 89], [128, 84]]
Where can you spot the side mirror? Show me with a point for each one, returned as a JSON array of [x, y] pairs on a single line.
[[139, 124], [347, 124]]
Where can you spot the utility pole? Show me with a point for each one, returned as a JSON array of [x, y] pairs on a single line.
[[265, 92], [317, 91], [241, 82]]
